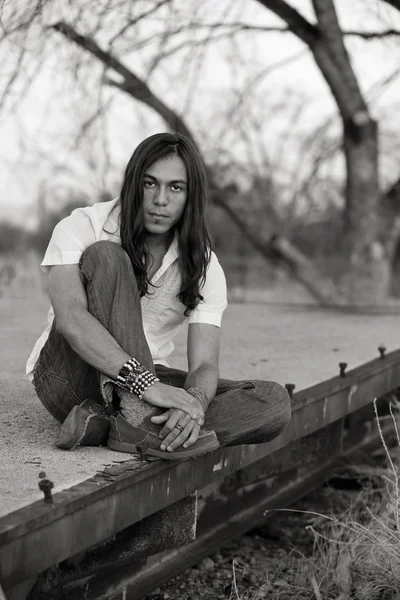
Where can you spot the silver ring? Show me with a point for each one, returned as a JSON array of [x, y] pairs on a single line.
[[179, 427]]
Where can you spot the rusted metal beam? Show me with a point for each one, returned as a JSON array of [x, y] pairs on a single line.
[[242, 509], [96, 509], [158, 570], [217, 503]]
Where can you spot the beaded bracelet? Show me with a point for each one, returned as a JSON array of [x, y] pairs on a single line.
[[135, 378], [200, 395]]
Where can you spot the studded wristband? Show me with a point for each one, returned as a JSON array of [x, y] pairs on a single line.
[[135, 378]]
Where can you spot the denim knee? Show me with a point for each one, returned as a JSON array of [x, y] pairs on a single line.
[[108, 255], [277, 402], [105, 250]]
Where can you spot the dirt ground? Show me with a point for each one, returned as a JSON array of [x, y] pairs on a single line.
[[263, 563]]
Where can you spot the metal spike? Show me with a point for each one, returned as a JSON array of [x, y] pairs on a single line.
[[290, 387], [45, 485]]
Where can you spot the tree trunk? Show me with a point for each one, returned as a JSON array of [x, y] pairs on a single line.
[[368, 278], [365, 260], [362, 190]]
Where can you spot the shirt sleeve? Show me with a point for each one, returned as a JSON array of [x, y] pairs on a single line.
[[211, 309], [70, 238]]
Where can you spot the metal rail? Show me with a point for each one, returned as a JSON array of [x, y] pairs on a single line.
[[242, 508], [210, 539], [99, 508]]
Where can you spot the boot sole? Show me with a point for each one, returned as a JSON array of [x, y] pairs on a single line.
[[138, 449]]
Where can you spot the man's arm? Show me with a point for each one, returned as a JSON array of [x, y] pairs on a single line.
[[203, 361], [85, 334], [93, 342]]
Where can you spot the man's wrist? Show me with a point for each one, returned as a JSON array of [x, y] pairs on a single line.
[[135, 378], [200, 395]]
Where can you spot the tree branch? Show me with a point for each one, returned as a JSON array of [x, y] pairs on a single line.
[[371, 35], [394, 3], [344, 89], [322, 290], [297, 24], [131, 84], [329, 27], [133, 22], [238, 26]]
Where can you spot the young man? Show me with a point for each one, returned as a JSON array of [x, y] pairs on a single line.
[[123, 276]]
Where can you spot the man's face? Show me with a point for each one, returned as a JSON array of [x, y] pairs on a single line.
[[164, 194]]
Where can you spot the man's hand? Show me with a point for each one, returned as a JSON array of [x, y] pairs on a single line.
[[167, 396], [186, 434]]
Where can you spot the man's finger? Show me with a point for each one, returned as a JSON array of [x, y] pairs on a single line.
[[158, 419], [181, 438], [170, 430], [177, 433], [192, 439], [176, 417]]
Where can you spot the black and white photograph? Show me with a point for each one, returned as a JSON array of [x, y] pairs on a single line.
[[200, 300]]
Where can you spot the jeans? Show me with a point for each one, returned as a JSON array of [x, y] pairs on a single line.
[[242, 412]]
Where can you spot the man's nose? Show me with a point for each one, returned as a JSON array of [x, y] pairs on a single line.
[[161, 197]]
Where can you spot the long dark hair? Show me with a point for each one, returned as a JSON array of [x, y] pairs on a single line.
[[194, 238]]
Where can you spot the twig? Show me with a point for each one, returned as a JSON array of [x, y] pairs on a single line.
[[315, 587]]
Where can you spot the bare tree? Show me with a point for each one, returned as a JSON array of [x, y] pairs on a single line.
[[325, 41]]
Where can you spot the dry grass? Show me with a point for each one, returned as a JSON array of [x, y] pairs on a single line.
[[356, 556]]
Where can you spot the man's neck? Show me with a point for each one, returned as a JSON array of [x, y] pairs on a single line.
[[159, 243]]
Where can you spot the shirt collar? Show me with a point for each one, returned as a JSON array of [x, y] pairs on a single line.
[[112, 223], [170, 256]]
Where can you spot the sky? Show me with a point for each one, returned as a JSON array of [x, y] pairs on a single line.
[[38, 157]]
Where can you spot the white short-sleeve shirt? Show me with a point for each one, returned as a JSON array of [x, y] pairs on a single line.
[[99, 222]]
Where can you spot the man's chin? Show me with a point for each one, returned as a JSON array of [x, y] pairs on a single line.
[[157, 229]]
